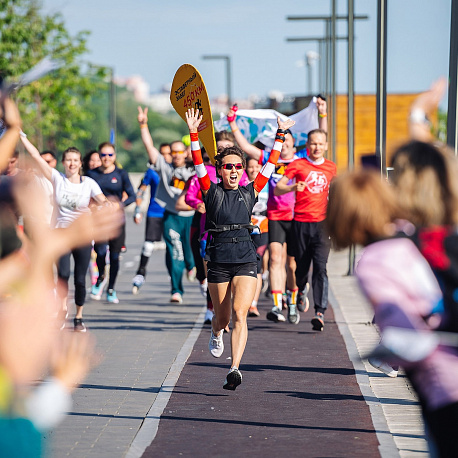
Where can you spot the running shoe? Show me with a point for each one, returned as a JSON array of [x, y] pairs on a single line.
[[318, 322], [79, 325], [208, 316], [216, 344], [112, 297], [137, 283], [233, 379], [275, 315], [203, 288], [383, 367], [97, 289], [293, 316], [303, 303], [176, 298], [191, 274], [253, 311]]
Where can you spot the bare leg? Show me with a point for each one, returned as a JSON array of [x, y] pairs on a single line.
[[221, 298], [243, 289]]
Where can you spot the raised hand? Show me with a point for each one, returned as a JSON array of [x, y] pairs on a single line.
[[322, 106], [142, 117], [285, 124], [193, 119]]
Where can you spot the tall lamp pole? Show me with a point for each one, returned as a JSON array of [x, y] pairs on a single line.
[[452, 125], [227, 59]]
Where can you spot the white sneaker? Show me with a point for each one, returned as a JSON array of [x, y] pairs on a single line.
[[137, 283], [216, 344], [176, 297], [203, 288], [275, 315], [383, 367], [208, 317]]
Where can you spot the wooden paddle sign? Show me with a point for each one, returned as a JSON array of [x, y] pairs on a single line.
[[188, 91]]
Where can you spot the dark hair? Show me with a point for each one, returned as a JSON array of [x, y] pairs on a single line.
[[87, 158], [317, 131], [163, 144], [248, 159], [230, 150], [49, 152], [72, 149], [105, 144], [225, 135]]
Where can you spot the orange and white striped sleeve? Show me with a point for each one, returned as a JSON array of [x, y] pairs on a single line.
[[269, 167], [201, 170]]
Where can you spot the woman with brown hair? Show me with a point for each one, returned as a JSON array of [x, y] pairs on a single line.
[[231, 254]]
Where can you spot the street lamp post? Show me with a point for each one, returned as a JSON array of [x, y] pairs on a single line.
[[227, 59], [331, 35]]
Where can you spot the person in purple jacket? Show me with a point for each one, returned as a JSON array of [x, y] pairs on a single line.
[[401, 287]]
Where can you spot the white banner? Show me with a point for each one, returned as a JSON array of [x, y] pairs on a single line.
[[261, 125]]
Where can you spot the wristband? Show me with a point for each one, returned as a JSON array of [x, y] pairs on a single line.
[[137, 210], [322, 115], [280, 137], [22, 134], [143, 125], [194, 136], [418, 116], [281, 131], [235, 130]]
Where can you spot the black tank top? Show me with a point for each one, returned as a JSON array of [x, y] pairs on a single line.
[[233, 210]]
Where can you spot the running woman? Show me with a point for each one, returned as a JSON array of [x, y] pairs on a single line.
[[113, 181], [72, 194], [231, 254]]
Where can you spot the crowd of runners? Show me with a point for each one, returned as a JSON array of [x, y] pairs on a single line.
[[255, 220]]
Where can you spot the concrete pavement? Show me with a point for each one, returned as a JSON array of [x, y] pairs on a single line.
[[145, 342]]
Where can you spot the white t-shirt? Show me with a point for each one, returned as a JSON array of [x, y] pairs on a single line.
[[72, 199]]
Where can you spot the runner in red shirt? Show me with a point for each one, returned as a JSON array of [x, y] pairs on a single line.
[[312, 177]]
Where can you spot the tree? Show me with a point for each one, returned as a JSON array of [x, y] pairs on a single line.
[[57, 105]]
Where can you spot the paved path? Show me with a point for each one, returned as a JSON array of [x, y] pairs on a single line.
[[304, 393]]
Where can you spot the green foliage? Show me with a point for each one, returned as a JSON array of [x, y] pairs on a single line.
[[441, 133], [71, 106], [52, 106]]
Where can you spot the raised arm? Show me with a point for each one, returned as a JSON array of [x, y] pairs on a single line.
[[269, 167], [142, 119], [244, 144], [12, 120], [45, 169], [422, 107], [193, 120], [322, 113]]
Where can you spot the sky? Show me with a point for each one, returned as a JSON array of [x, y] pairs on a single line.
[[154, 38]]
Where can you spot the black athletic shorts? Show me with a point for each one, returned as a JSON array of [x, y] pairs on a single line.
[[153, 232], [281, 232], [220, 272]]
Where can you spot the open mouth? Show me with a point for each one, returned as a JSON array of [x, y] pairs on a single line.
[[233, 178]]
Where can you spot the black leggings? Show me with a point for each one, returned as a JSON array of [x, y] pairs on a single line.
[[81, 256], [115, 246]]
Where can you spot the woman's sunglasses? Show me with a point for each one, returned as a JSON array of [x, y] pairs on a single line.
[[228, 166]]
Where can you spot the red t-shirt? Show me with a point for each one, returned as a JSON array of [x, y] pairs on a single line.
[[311, 204]]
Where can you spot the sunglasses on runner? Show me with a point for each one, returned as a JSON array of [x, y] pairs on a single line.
[[106, 154], [174, 153], [228, 166]]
